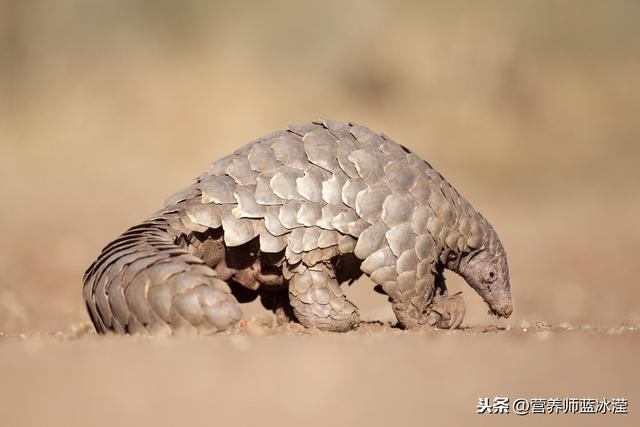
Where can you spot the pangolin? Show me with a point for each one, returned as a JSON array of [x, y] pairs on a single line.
[[288, 218]]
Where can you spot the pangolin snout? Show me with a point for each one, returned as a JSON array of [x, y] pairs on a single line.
[[503, 310]]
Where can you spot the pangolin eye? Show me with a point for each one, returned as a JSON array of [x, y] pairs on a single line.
[[489, 277]]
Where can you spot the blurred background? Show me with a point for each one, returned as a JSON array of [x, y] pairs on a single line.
[[530, 109]]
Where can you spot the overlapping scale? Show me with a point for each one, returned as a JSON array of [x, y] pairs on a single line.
[[217, 189], [320, 147], [332, 188], [397, 208], [289, 151], [369, 165], [284, 183], [371, 239], [262, 159], [240, 171], [309, 185], [204, 214], [264, 193], [369, 202], [238, 231], [400, 238], [247, 206], [350, 191]]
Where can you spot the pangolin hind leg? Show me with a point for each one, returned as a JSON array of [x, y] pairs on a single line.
[[278, 302], [318, 301], [249, 272]]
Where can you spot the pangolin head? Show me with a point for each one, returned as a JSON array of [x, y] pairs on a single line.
[[486, 270]]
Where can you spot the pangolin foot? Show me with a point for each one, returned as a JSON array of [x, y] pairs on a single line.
[[446, 311]]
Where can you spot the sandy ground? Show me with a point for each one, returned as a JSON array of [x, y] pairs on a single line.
[[374, 377], [529, 108]]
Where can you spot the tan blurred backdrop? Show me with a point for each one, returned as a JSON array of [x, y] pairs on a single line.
[[531, 109]]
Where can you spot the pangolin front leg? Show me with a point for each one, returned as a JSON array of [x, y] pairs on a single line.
[[318, 301], [410, 301], [445, 311]]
